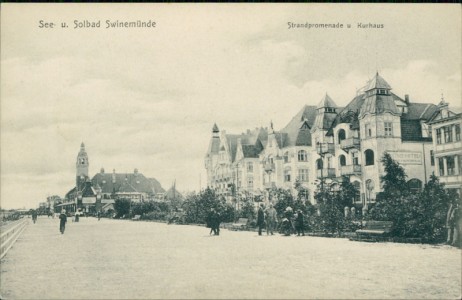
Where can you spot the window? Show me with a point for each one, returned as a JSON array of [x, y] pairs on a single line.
[[303, 175], [270, 159], [388, 128], [368, 130], [319, 164], [250, 167], [369, 154], [342, 160], [450, 165], [457, 132], [250, 183], [459, 157], [357, 196], [441, 166], [355, 158], [432, 158], [438, 136], [287, 174], [302, 156], [286, 157], [341, 135], [415, 185], [447, 134]]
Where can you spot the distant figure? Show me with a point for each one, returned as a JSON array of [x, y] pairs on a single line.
[[213, 221], [271, 217], [299, 225], [62, 221], [260, 218], [453, 224], [34, 216]]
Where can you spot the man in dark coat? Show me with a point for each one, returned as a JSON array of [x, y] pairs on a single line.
[[62, 221], [260, 219], [34, 216], [299, 226]]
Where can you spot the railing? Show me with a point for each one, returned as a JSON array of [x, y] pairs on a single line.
[[350, 143], [10, 235], [323, 148], [325, 173], [350, 169]]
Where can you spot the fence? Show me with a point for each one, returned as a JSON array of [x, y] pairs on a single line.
[[10, 234]]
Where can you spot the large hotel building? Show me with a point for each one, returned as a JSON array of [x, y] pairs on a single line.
[[328, 142]]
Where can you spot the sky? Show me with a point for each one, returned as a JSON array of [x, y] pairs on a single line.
[[147, 98]]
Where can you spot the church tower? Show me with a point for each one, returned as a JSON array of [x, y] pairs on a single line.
[[81, 168]]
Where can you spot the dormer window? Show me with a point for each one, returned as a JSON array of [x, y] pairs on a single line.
[[329, 109]]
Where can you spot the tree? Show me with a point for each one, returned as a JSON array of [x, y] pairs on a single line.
[[427, 218], [122, 207], [392, 202]]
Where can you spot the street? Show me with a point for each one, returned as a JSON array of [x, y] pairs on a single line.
[[120, 259]]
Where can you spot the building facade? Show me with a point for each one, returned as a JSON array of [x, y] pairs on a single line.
[[447, 146], [325, 143]]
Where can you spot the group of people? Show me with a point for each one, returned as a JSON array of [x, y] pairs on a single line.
[[268, 218], [213, 221]]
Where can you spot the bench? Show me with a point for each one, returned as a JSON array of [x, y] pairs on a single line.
[[374, 230], [241, 224], [136, 218]]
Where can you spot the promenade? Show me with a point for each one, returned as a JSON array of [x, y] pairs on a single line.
[[119, 259]]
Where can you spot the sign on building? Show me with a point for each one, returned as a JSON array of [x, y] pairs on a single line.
[[88, 200], [407, 158]]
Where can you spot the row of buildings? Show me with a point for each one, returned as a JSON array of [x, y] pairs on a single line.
[[98, 193], [326, 142]]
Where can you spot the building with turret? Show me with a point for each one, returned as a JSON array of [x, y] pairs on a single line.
[[325, 143], [90, 194]]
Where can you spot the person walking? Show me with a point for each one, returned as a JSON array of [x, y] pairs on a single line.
[[452, 223], [271, 217], [260, 218], [62, 221], [34, 216], [299, 225]]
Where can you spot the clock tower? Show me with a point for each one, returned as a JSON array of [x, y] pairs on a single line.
[[81, 168]]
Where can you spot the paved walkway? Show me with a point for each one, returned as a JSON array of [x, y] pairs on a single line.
[[113, 259]]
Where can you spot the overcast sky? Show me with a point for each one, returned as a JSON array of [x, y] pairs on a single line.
[[147, 98]]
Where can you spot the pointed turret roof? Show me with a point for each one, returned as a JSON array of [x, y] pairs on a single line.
[[326, 101], [215, 128], [377, 83]]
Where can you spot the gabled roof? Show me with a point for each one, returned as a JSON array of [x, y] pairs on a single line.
[[215, 128], [326, 101], [137, 180], [88, 190], [214, 146], [420, 111], [378, 83], [126, 187], [296, 134], [379, 104]]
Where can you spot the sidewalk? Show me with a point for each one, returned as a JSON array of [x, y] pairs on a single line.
[[119, 259]]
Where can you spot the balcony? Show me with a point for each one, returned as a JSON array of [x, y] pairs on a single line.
[[325, 173], [269, 167], [324, 148], [350, 143], [350, 170]]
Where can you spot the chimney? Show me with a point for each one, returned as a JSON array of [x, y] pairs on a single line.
[[102, 171], [406, 98], [135, 171], [113, 176]]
